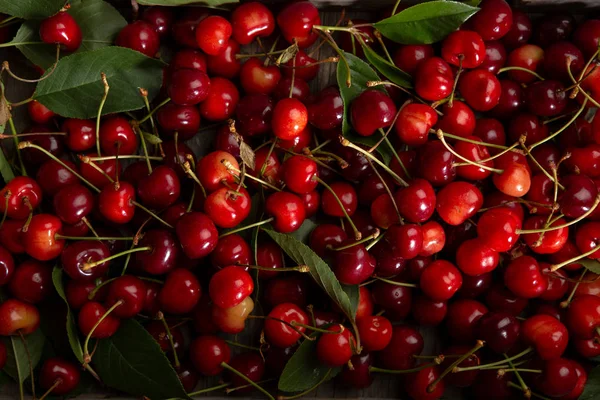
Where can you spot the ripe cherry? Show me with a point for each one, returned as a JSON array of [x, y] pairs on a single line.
[[353, 265], [499, 330], [230, 250], [528, 56], [207, 353], [375, 332], [31, 282], [73, 203], [409, 57], [583, 316], [96, 178], [184, 28], [495, 56], [335, 349], [440, 280], [62, 29], [251, 20], [302, 65], [139, 36], [436, 163], [524, 278], [360, 376], [414, 122], [481, 89], [290, 289], [212, 34], [212, 170], [163, 253], [296, 22], [257, 78], [559, 377], [53, 176], [188, 87], [185, 120], [116, 203], [326, 109], [458, 119], [180, 293], [77, 253], [474, 257], [405, 240], [228, 208], [462, 317], [159, 189], [90, 314], [552, 241], [17, 317], [345, 193], [399, 354], [416, 202], [546, 98], [586, 36], [160, 18], [464, 48], [251, 365], [299, 174], [23, 193], [520, 30], [287, 210], [419, 384], [7, 265], [59, 375], [498, 228], [458, 201], [493, 20], [282, 334], [131, 292], [40, 240], [547, 334], [290, 117], [197, 234], [81, 134], [39, 113], [189, 59], [230, 286], [222, 100], [371, 110], [434, 79]]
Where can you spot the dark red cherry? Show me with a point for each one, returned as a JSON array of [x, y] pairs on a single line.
[[251, 365], [189, 59], [89, 317], [359, 377], [335, 349], [230, 250], [409, 57], [162, 255], [269, 255], [546, 98], [52, 176], [185, 120], [511, 99], [160, 18], [555, 61], [77, 253], [524, 278], [31, 282], [474, 257], [326, 110], [131, 292], [553, 28], [160, 189], [419, 384], [583, 316], [500, 331], [207, 353], [428, 312], [184, 28], [95, 177], [180, 293], [395, 300], [7, 266], [436, 163], [73, 203], [372, 110], [61, 376], [353, 265], [481, 89], [520, 30], [39, 113], [495, 56], [558, 379], [221, 101], [300, 89], [188, 87], [117, 137], [116, 203], [139, 36], [406, 342], [345, 193], [62, 29], [586, 36], [296, 22], [462, 319]]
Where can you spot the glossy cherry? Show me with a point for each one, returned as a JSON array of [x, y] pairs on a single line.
[[59, 375], [375, 332], [251, 20], [440, 280], [77, 253], [90, 314], [185, 120], [139, 36], [221, 101], [434, 79], [500, 331], [207, 353], [481, 89], [464, 48], [290, 117], [188, 87], [524, 278], [547, 334], [296, 22], [494, 19], [197, 234], [372, 110], [212, 34], [282, 334], [31, 282], [230, 286], [180, 292], [287, 210], [62, 29], [335, 349]]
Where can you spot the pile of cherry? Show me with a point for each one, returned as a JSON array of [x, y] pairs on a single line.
[[485, 222]]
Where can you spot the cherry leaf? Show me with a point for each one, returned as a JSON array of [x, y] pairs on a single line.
[[5, 168], [99, 22], [133, 362], [75, 92], [17, 361], [591, 390], [152, 139], [31, 9], [592, 265], [318, 269], [387, 69], [72, 332], [425, 23]]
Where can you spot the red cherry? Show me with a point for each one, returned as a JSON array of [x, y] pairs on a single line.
[[230, 250], [280, 334], [96, 178], [475, 153], [232, 320], [458, 201], [184, 28], [180, 293], [498, 227], [436, 163], [39, 113], [251, 365], [299, 174], [139, 36], [60, 375], [53, 176], [409, 57], [326, 109], [405, 240], [464, 48], [547, 334], [495, 56], [416, 202], [458, 119], [189, 59], [528, 56], [419, 382], [398, 354], [375, 332], [230, 286], [160, 189], [586, 36], [18, 317], [462, 317], [499, 330], [296, 22], [434, 79], [212, 170], [7, 266], [160, 18], [290, 117], [520, 30], [197, 234], [414, 122], [77, 253], [116, 204], [73, 203], [524, 278], [212, 34], [207, 353], [31, 282], [163, 253], [551, 241], [559, 377], [222, 100], [62, 29], [131, 292], [302, 65], [440, 280], [227, 208], [185, 120], [474, 257], [353, 265], [90, 314], [360, 376], [493, 20], [39, 240], [188, 87], [81, 134], [24, 194], [335, 349], [481, 89], [555, 60], [583, 316], [251, 20], [287, 210], [371, 110], [345, 193], [257, 78]]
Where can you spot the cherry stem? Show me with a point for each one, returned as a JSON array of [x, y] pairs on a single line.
[[372, 236], [156, 217], [188, 170], [89, 265], [374, 242], [6, 67], [536, 162], [59, 236], [264, 165], [2, 136], [500, 154], [343, 163], [432, 385], [299, 268], [514, 68], [144, 94], [86, 355], [307, 391], [98, 287], [242, 346], [346, 143], [391, 282], [528, 393], [236, 172], [7, 196], [501, 362], [533, 371], [151, 113], [161, 317], [553, 228], [357, 234], [458, 73], [29, 362], [512, 368], [565, 126], [403, 371], [100, 107], [51, 388], [271, 53], [440, 134], [126, 157], [250, 381], [145, 149], [565, 304], [496, 146], [319, 147], [396, 156], [316, 329], [243, 228], [13, 131], [578, 88], [556, 267], [210, 389]]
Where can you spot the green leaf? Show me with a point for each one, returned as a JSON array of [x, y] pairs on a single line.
[[5, 169], [31, 9], [360, 74], [319, 270], [592, 387], [152, 139], [592, 265], [173, 3], [99, 22], [425, 23], [17, 362], [75, 92], [304, 370], [132, 361], [304, 231], [72, 332], [387, 69]]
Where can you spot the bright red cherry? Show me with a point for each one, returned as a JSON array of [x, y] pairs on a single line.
[[212, 34], [282, 334], [414, 122], [163, 253], [528, 56], [583, 316], [458, 201], [498, 228], [180, 293], [116, 203], [474, 257], [90, 315], [290, 117], [24, 195], [197, 234], [230, 286], [524, 278], [40, 240], [375, 332], [287, 210], [188, 87], [440, 280], [207, 353], [371, 110], [464, 48], [419, 384], [222, 100], [62, 29], [345, 193], [335, 349], [481, 89], [256, 77], [296, 22], [228, 208], [299, 174], [493, 20], [547, 334], [139, 36], [251, 20], [409, 57], [39, 113], [434, 79]]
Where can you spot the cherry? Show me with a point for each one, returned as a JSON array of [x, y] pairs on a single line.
[[207, 353], [282, 334], [7, 265], [255, 77], [345, 193], [353, 265], [163, 253], [405, 240], [228, 208], [230, 286], [434, 239], [440, 280], [520, 30], [419, 383], [578, 197], [302, 66], [139, 36], [185, 120], [475, 153], [326, 109], [304, 139], [116, 203], [212, 171], [375, 332], [416, 202], [117, 137], [52, 176], [553, 28], [551, 241], [528, 56], [287, 210], [428, 312], [463, 48], [414, 122], [180, 293], [586, 36], [51, 143], [78, 292], [160, 18], [251, 20], [73, 203], [269, 161], [458, 119], [77, 253], [290, 117], [39, 240], [188, 87], [232, 320], [481, 89], [462, 317], [160, 188], [189, 59], [436, 163], [251, 365], [222, 99], [524, 278], [395, 300], [559, 377], [96, 178], [184, 28], [197, 234], [90, 314], [547, 334], [298, 87], [359, 377], [325, 235], [296, 22], [17, 317], [499, 298], [584, 160], [131, 291], [269, 255], [499, 330], [292, 289], [62, 29], [546, 98], [582, 378], [59, 376], [175, 157], [373, 187], [31, 282], [493, 20], [188, 376], [371, 110], [299, 174], [409, 57], [81, 134], [495, 56], [490, 384], [555, 60], [311, 202], [583, 316], [39, 113], [511, 99], [498, 227], [474, 257], [334, 349], [466, 378], [212, 34], [406, 342], [434, 79], [458, 201]]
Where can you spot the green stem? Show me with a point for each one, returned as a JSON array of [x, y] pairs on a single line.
[[402, 371], [89, 265], [391, 282], [86, 354], [210, 389], [456, 363], [58, 236], [162, 319], [100, 107], [242, 346], [259, 223], [98, 287], [374, 235], [514, 385], [13, 131], [357, 234], [396, 7], [159, 219], [151, 113], [397, 178], [250, 381], [501, 362], [513, 68]]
